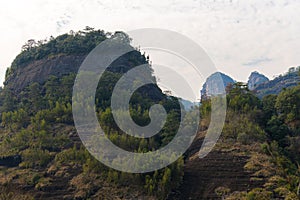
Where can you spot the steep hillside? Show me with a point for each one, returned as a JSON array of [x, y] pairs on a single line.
[[222, 169], [41, 155], [40, 70], [256, 156]]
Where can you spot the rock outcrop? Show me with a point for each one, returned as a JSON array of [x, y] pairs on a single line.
[[40, 70], [256, 79], [276, 85], [215, 84]]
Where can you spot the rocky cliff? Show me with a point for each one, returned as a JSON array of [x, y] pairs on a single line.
[[40, 70], [60, 65], [276, 85], [258, 83], [256, 79], [215, 84]]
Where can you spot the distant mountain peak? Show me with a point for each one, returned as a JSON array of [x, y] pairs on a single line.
[[214, 85], [256, 79], [275, 86]]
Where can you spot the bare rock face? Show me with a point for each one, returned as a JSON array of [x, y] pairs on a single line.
[[215, 84], [256, 79], [40, 70], [60, 65]]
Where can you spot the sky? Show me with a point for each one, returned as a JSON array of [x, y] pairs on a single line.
[[239, 36]]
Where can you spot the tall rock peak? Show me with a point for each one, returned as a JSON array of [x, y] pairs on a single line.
[[215, 84], [256, 79]]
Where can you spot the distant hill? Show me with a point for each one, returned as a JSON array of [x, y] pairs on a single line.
[[276, 85], [258, 83], [214, 86], [256, 79]]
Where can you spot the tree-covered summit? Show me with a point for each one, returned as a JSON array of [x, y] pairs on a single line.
[[80, 42]]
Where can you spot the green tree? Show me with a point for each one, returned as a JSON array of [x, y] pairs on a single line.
[[288, 108]]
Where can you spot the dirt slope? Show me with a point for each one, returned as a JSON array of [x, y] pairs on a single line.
[[218, 169]]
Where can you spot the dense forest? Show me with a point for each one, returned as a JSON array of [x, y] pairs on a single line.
[[42, 157]]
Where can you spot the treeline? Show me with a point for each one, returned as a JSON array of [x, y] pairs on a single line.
[[80, 42]]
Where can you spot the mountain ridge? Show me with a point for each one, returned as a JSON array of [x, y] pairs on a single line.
[[258, 83], [256, 79]]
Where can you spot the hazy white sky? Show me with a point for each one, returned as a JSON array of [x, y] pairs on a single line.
[[240, 36]]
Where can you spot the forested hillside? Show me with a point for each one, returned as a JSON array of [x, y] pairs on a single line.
[[42, 157], [256, 156], [265, 132]]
